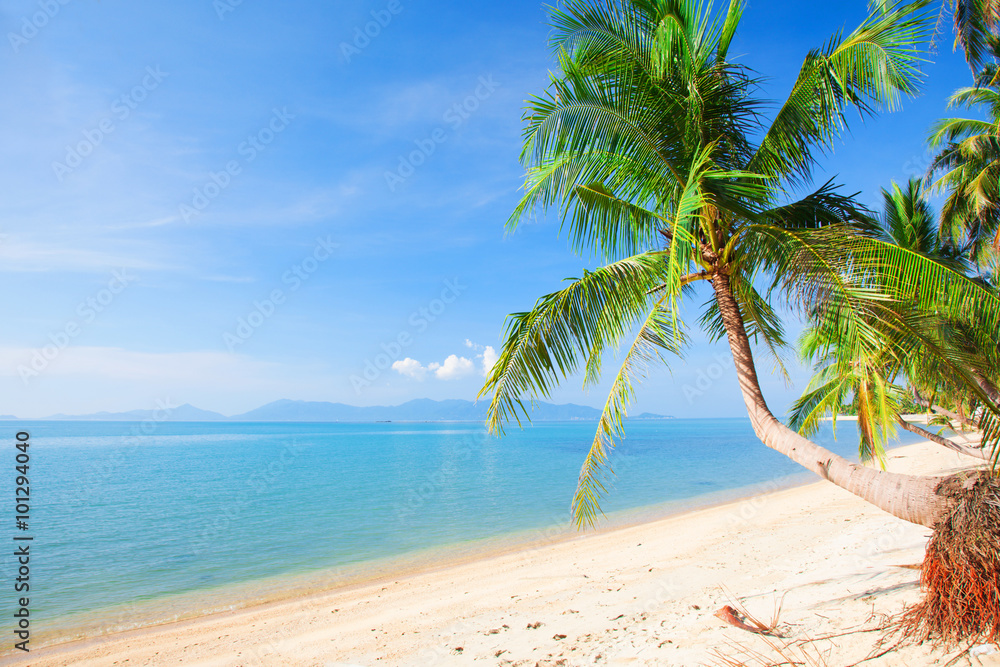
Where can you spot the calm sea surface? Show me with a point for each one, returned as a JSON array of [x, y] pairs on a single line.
[[132, 528]]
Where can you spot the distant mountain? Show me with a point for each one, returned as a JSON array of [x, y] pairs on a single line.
[[421, 409], [183, 413]]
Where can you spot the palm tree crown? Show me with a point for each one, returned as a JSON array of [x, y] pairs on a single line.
[[976, 23]]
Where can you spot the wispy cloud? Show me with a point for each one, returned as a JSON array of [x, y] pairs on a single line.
[[230, 279], [60, 255], [153, 367]]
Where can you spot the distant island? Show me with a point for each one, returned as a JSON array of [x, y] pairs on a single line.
[[285, 410]]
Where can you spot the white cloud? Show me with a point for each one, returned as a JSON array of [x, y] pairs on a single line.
[[487, 354], [454, 367], [410, 367], [490, 358]]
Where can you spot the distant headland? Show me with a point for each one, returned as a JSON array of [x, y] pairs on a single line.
[[285, 410]]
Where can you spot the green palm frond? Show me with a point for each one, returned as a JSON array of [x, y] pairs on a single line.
[[948, 130], [656, 335], [967, 169], [930, 284], [971, 97], [823, 395], [732, 20], [869, 69], [597, 216], [566, 327], [975, 23], [825, 206], [907, 220]]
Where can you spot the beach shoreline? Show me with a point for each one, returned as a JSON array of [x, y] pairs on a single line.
[[481, 607], [227, 598]]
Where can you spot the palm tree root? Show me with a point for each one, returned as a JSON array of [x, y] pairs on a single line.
[[960, 574]]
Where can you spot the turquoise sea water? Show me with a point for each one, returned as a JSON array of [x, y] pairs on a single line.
[[132, 527]]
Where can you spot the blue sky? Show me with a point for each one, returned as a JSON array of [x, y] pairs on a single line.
[[174, 168]]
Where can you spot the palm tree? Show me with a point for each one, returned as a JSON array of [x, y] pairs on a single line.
[[969, 168], [908, 221], [968, 165], [655, 149], [976, 23]]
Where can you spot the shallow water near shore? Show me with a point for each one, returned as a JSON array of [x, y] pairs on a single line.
[[193, 518]]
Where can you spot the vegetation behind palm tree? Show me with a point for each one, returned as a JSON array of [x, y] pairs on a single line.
[[967, 168], [976, 23], [877, 379]]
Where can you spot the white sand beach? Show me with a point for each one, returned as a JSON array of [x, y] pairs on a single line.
[[639, 595]]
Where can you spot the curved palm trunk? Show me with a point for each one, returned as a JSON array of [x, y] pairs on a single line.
[[907, 497], [988, 387], [945, 442], [944, 412]]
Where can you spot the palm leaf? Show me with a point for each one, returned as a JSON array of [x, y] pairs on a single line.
[[657, 334], [566, 327], [869, 69]]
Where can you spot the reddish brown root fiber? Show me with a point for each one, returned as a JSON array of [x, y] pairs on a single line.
[[960, 574]]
